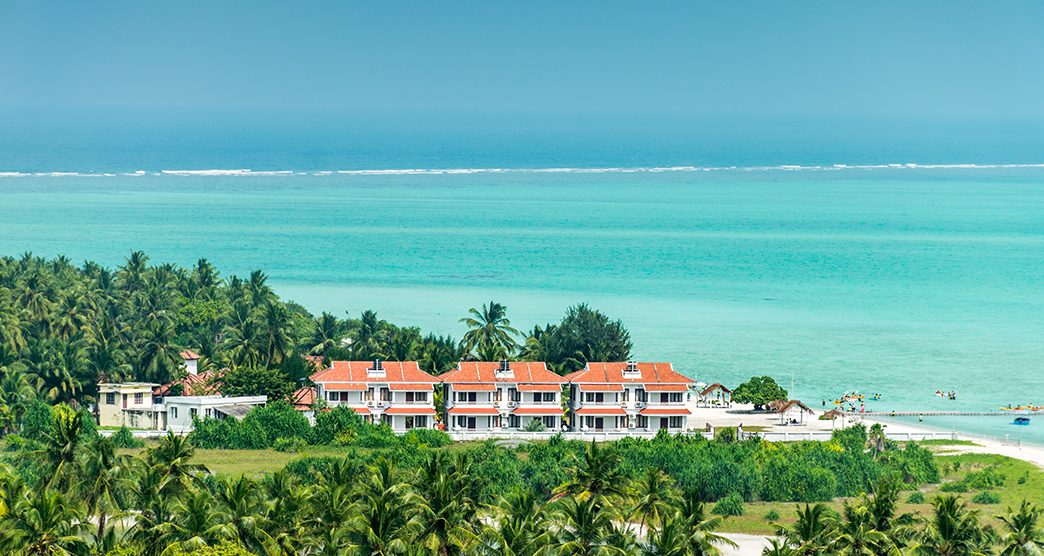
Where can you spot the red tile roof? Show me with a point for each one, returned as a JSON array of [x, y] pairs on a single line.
[[189, 355], [410, 387], [201, 384], [595, 410], [303, 398], [361, 410], [485, 371], [410, 411], [357, 371], [665, 411], [716, 386], [344, 387], [460, 410], [649, 373], [538, 411]]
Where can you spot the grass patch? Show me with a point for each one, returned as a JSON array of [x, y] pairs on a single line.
[[252, 462], [946, 442]]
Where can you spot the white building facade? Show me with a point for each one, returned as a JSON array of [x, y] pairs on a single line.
[[629, 396], [396, 393], [490, 396]]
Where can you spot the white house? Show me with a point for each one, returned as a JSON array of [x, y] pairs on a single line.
[[182, 409], [623, 396], [397, 393], [505, 395]]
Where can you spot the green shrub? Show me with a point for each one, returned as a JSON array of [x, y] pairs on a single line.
[[278, 420], [986, 497], [954, 486], [426, 437], [916, 497], [331, 424], [535, 425], [729, 506], [123, 438], [725, 434], [295, 444], [226, 548], [37, 421], [772, 515], [983, 480], [376, 436]]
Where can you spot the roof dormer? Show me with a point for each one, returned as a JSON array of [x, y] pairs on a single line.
[[504, 370], [376, 370], [631, 370]]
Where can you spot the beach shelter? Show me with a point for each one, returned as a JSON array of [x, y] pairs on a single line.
[[716, 395], [833, 414], [792, 412]]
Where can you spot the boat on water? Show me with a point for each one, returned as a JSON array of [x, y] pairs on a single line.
[[1023, 421]]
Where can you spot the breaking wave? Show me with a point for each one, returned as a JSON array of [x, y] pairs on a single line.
[[244, 172]]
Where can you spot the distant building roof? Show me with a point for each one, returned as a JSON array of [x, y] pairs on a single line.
[[360, 372], [303, 398], [613, 373], [201, 384], [189, 355], [716, 386], [485, 372]]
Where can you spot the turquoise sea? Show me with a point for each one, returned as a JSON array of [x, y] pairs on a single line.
[[901, 280], [727, 249]]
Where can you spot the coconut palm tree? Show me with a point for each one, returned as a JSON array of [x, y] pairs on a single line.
[[157, 356], [703, 541], [44, 524], [876, 439], [952, 530], [653, 495], [1021, 534], [102, 474], [856, 535], [385, 519], [240, 515], [196, 523], [670, 538], [778, 547], [583, 528], [173, 459], [449, 514], [520, 528], [812, 532], [328, 331], [489, 330], [597, 475], [61, 445]]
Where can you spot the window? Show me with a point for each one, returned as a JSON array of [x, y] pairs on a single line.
[[497, 394], [675, 423], [207, 412], [409, 422], [174, 412], [550, 422], [676, 397], [386, 419], [594, 397], [418, 397], [420, 421], [540, 397], [467, 397], [497, 421], [193, 412], [643, 421], [640, 395], [626, 394], [138, 398], [368, 396], [513, 395], [385, 395], [514, 421], [110, 398]]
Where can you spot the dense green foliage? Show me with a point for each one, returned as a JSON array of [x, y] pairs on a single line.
[[759, 390], [583, 335]]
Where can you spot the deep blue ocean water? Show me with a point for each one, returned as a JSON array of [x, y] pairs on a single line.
[[726, 259]]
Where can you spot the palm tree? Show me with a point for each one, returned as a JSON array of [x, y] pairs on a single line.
[[583, 528], [158, 358], [653, 497], [703, 541], [61, 444], [491, 329], [101, 477], [812, 532], [1021, 534], [15, 394], [670, 539], [856, 535], [449, 513], [44, 524], [520, 528], [876, 439], [597, 476], [327, 332], [778, 547], [368, 336], [172, 457], [953, 530], [440, 354], [278, 337], [240, 515], [385, 519], [196, 523]]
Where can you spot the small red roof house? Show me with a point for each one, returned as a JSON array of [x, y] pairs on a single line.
[[397, 393], [716, 394], [502, 395], [618, 396]]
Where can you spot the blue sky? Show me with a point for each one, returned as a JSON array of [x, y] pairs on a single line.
[[628, 59]]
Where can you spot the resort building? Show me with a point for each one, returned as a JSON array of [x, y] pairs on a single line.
[[397, 393], [629, 396], [502, 395]]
